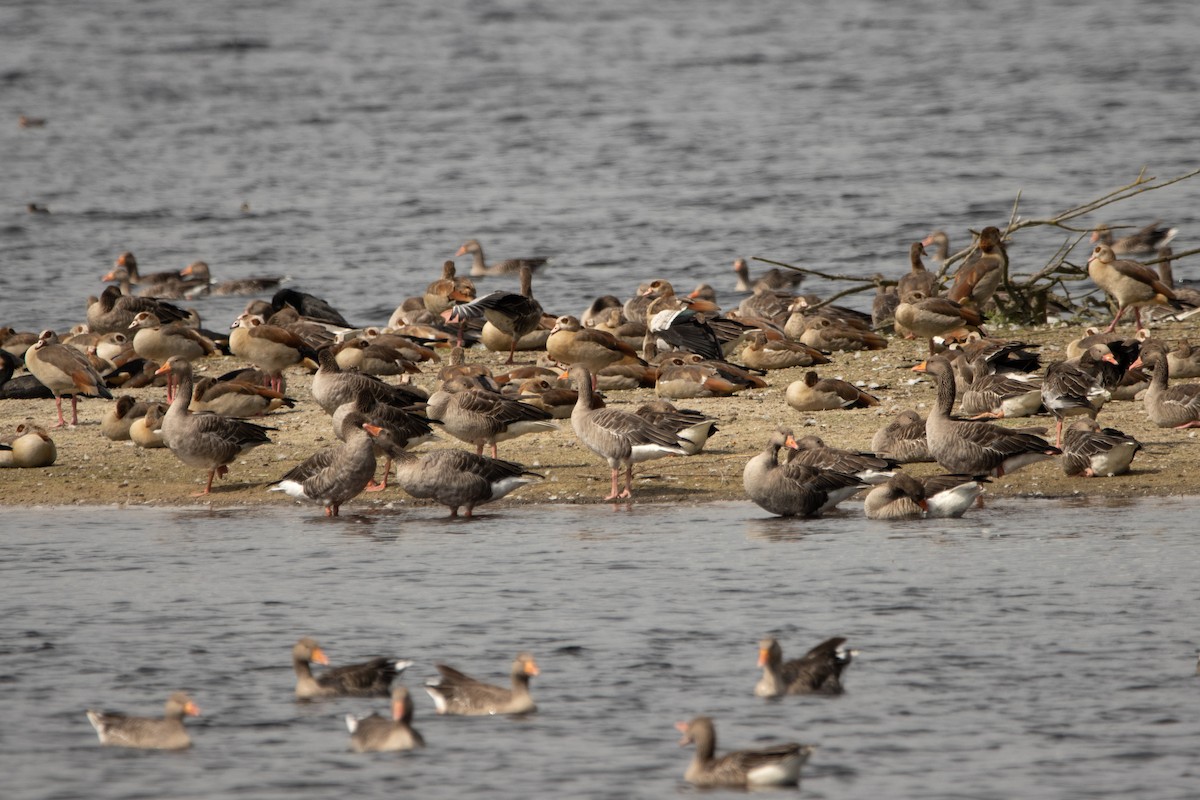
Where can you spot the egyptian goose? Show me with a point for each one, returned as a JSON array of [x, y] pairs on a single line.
[[369, 358], [680, 379], [335, 475], [902, 439], [65, 372], [1168, 406], [268, 347], [1130, 284], [204, 440], [113, 311], [479, 266], [948, 495], [794, 489], [310, 306], [1184, 360], [813, 452], [513, 314], [333, 387], [760, 352], [917, 279], [571, 343], [369, 679], [816, 672], [157, 342], [978, 278], [237, 398], [118, 418], [378, 734], [1188, 295], [598, 309], [620, 438], [829, 334], [902, 497], [928, 317], [975, 447], [1141, 242], [31, 448], [557, 401], [457, 693], [773, 278], [777, 765], [1075, 386], [457, 478], [484, 418], [1092, 451], [198, 271], [147, 733], [146, 430], [814, 393]]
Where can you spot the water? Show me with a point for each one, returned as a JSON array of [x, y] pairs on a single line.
[[1032, 649], [628, 140]]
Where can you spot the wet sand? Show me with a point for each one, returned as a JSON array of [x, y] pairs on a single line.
[[93, 470]]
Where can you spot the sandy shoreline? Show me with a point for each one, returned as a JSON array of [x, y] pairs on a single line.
[[92, 470]]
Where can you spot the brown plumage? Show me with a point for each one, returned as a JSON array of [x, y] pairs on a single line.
[[1141, 242], [513, 314], [168, 733], [1130, 284], [479, 265], [794, 489], [902, 439], [571, 343], [816, 672], [934, 316], [778, 765], [271, 348], [377, 734], [814, 393], [482, 417], [978, 278], [65, 372], [1168, 406], [457, 693], [369, 679]]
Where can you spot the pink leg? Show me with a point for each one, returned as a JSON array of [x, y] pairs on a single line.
[[379, 487], [628, 482], [493, 450], [614, 494], [62, 423], [1116, 319], [74, 410]]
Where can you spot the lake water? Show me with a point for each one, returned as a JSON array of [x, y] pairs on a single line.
[[1031, 649]]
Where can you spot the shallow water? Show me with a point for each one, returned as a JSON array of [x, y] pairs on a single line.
[[1031, 649]]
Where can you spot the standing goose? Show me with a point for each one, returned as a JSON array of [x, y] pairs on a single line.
[[479, 265], [818, 671], [268, 347], [815, 393], [369, 679], [620, 438], [902, 497], [692, 426], [168, 733], [974, 447], [778, 765], [405, 429], [1076, 386], [377, 734], [1168, 406], [1142, 242], [456, 693], [979, 277], [571, 343], [158, 343], [481, 418], [113, 311], [794, 489], [513, 314], [1092, 451], [65, 372], [1130, 283], [205, 440], [337, 474], [917, 279]]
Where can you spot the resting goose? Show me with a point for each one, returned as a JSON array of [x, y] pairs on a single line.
[[369, 679], [929, 317], [377, 734], [30, 447], [1142, 242], [237, 398], [813, 452], [1130, 284], [65, 372], [199, 272], [310, 306], [457, 693], [902, 439], [691, 426], [829, 334], [513, 314], [901, 497], [168, 733], [1092, 451], [571, 343], [794, 489], [405, 429], [479, 266], [815, 393], [1168, 406], [816, 672], [950, 495], [337, 474], [778, 765], [760, 352]]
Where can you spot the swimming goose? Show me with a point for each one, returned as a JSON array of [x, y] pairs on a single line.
[[125, 269], [337, 474], [1075, 386], [778, 765], [620, 438], [1141, 242], [204, 440], [975, 447], [774, 278], [198, 271], [457, 693], [65, 372], [378, 734], [369, 679], [949, 495], [794, 489], [1168, 406], [479, 266], [978, 278], [168, 733], [902, 439], [513, 314], [482, 417], [1092, 451], [813, 452], [816, 672], [1130, 284], [814, 393], [901, 497]]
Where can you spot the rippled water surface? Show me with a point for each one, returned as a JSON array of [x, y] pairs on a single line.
[[1031, 649]]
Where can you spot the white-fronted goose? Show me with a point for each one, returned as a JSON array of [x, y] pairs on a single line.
[[204, 440], [814, 393], [928, 317], [65, 372], [147, 733], [199, 272], [335, 475], [268, 347], [950, 495], [794, 489], [975, 447], [901, 497], [31, 447], [1130, 284], [378, 734], [1075, 386], [773, 278], [333, 387], [514, 314], [456, 693], [113, 311], [902, 439], [1142, 242], [1168, 406], [237, 398], [777, 765], [1092, 451], [980, 275], [818, 671], [620, 438], [484, 418], [508, 266], [369, 679], [760, 352], [813, 452]]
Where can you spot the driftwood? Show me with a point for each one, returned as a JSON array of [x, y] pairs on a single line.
[[1024, 299]]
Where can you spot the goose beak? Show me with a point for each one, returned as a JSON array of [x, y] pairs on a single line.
[[319, 657], [922, 367], [191, 709], [373, 430], [762, 656], [163, 369]]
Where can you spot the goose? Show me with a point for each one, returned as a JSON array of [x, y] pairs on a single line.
[[679, 379], [1075, 386], [941, 240], [901, 497], [146, 430], [157, 342], [369, 679], [571, 343], [917, 279], [978, 278], [204, 440], [1092, 451], [271, 348], [1168, 406], [237, 398], [902, 439], [31, 448], [484, 418], [335, 475], [22, 387], [373, 358], [777, 765], [1130, 284], [513, 314], [198, 271], [814, 393], [112, 311], [1188, 295], [1001, 396], [1184, 360], [118, 418], [794, 489], [975, 447], [168, 733], [310, 306], [813, 452], [818, 671], [760, 352], [1141, 242], [378, 734], [404, 427], [773, 278], [620, 438], [829, 334], [125, 269], [949, 495], [65, 372], [479, 265], [691, 426], [333, 387], [929, 317], [456, 693], [458, 478]]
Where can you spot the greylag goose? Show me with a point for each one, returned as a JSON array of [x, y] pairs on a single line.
[[1168, 406], [1142, 242], [975, 447], [335, 475], [950, 495], [760, 352], [814, 393], [979, 277], [901, 497], [513, 314], [31, 447], [1130, 284], [456, 693], [310, 306], [1188, 295], [818, 671], [691, 426], [929, 317], [168, 733], [378, 734], [369, 679], [270, 348], [198, 271], [917, 279], [404, 426], [620, 438], [794, 489], [710, 337], [204, 440], [508, 266], [482, 418], [113, 311], [1092, 451], [883, 305], [333, 387], [777, 765], [813, 452], [942, 242], [1184, 360], [902, 439], [457, 478], [65, 372], [1075, 386], [1001, 396], [773, 278]]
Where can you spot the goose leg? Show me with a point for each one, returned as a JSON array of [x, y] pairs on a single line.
[[74, 410], [628, 482], [614, 494], [372, 486], [1116, 319], [62, 423], [212, 473]]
